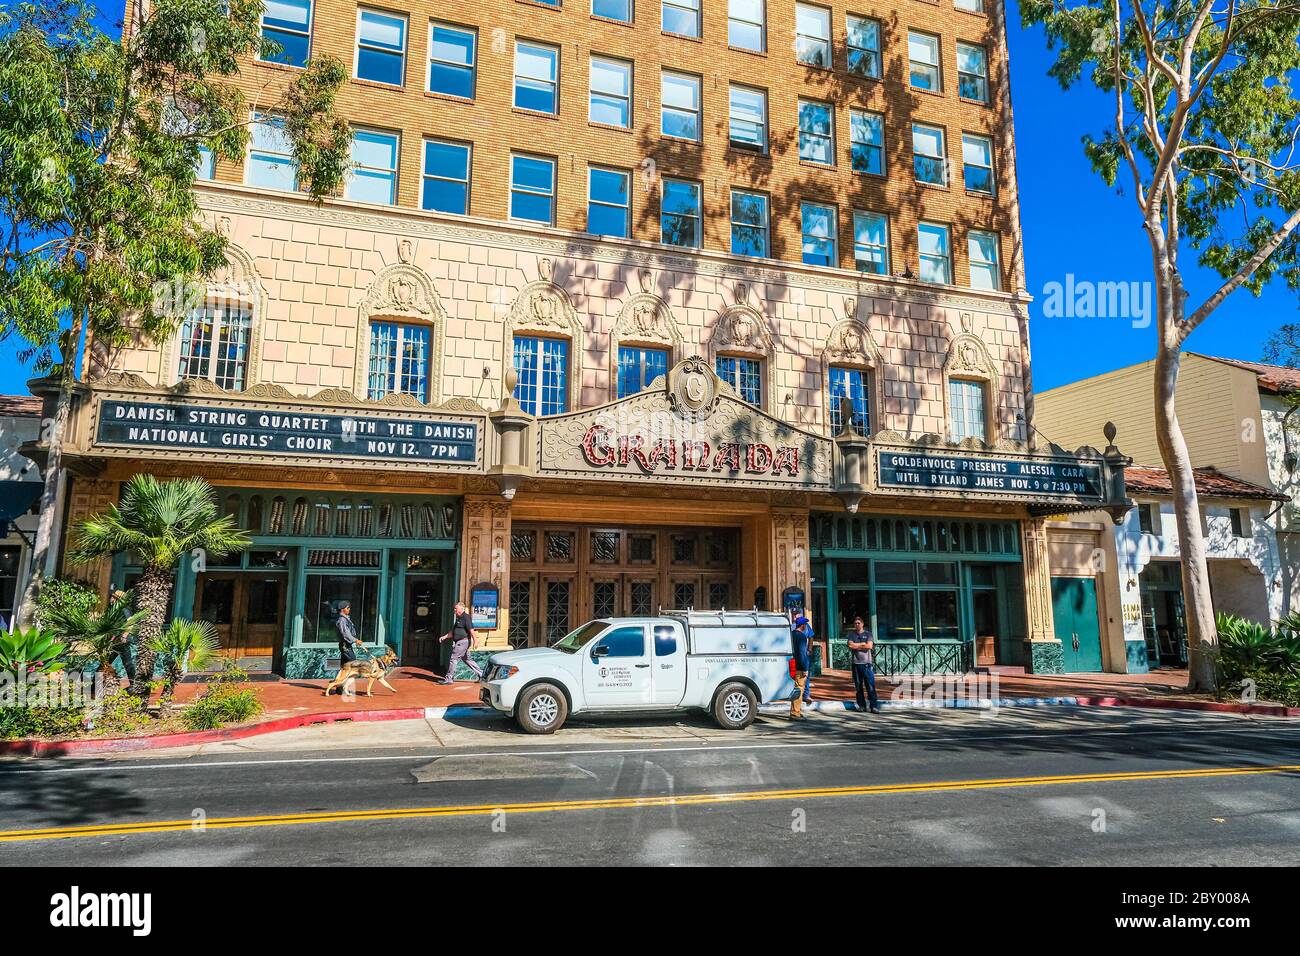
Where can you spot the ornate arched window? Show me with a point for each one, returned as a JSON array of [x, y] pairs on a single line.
[[740, 348], [970, 388], [545, 341], [219, 340], [645, 342], [400, 328], [851, 369]]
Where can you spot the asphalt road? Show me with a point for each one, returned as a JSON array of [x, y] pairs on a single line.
[[1048, 786]]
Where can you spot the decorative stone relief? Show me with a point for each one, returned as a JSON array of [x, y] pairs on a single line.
[[644, 320], [850, 344], [405, 293], [543, 308]]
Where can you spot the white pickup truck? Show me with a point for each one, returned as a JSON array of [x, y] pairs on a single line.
[[723, 662]]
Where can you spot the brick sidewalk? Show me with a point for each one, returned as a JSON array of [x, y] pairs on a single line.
[[418, 688]]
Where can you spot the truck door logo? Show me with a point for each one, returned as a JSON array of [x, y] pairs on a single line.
[[741, 647]]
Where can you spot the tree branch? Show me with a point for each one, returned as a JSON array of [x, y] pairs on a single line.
[[1243, 275]]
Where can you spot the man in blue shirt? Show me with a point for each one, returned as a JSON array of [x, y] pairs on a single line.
[[800, 635]]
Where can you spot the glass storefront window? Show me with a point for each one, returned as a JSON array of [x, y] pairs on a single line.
[[939, 619], [268, 559], [932, 573], [325, 596], [896, 615], [895, 572], [853, 602]]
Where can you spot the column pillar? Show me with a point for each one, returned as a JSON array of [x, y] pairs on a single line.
[[485, 558], [1043, 652]]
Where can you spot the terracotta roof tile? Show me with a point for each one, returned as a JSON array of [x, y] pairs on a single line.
[[22, 406], [1210, 482], [1278, 379]]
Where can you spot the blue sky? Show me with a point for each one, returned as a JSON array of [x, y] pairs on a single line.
[[1073, 224]]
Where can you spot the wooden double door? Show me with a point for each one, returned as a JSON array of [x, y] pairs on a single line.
[[563, 576], [247, 610]]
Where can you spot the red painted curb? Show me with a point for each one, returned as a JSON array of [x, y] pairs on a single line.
[[61, 748], [1217, 706]]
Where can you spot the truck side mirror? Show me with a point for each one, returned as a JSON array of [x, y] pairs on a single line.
[[600, 650]]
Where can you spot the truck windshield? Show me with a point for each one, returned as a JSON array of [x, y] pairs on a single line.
[[572, 642]]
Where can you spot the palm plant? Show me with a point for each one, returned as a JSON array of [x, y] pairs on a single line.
[[159, 522], [184, 645], [31, 651], [96, 635]]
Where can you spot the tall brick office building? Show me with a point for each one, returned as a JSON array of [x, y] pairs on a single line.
[[627, 304]]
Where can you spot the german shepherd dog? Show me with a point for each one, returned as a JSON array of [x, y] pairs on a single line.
[[367, 668]]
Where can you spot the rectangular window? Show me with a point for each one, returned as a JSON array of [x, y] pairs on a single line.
[[537, 77], [852, 383], [679, 213], [867, 142], [972, 6], [977, 163], [620, 10], [983, 251], [745, 375], [638, 367], [287, 24], [749, 224], [818, 230], [399, 360], [747, 25], [206, 167], [532, 189], [270, 155], [679, 94], [816, 132], [923, 60], [871, 242], [373, 177], [542, 366], [966, 410], [446, 177], [681, 17], [607, 202], [381, 47], [747, 118], [863, 34], [812, 35], [936, 256], [1149, 518], [611, 92], [972, 72], [928, 155], [214, 345], [1240, 518], [452, 57]]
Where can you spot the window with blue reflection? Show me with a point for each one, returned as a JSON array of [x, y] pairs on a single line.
[[542, 367], [607, 202], [446, 177], [451, 60], [381, 47], [532, 189], [850, 382], [287, 24], [638, 367]]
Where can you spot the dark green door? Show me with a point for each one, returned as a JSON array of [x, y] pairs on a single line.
[[1074, 610]]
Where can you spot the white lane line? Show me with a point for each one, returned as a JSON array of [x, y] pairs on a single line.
[[792, 745]]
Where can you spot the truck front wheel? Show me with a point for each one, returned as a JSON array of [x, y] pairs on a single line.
[[735, 706], [541, 709]]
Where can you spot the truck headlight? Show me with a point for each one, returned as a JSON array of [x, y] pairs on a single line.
[[504, 671]]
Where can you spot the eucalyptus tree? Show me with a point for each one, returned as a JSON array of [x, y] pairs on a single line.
[[101, 134], [1203, 141]]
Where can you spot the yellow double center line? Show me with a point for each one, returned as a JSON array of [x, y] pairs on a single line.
[[618, 803]]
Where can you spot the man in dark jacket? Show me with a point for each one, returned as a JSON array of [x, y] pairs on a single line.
[[347, 633], [461, 636], [800, 634]]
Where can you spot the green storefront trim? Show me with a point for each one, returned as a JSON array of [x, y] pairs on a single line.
[[870, 559], [330, 534]]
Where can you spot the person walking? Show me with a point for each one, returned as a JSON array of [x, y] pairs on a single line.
[[807, 681], [799, 637], [347, 629], [461, 636], [862, 645]]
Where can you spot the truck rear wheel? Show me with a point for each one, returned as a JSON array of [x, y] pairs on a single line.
[[541, 709], [735, 706]]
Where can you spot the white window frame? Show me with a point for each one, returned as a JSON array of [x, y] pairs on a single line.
[[761, 24], [698, 85], [965, 388], [394, 387], [880, 124], [698, 216], [983, 78], [219, 312], [731, 118], [875, 53], [766, 226], [821, 42], [829, 137], [970, 6], [425, 175], [631, 13], [687, 6], [511, 188], [946, 231], [833, 238], [885, 250], [391, 173], [626, 98], [988, 142], [356, 53], [941, 156], [311, 18], [262, 118], [627, 191], [473, 59], [985, 265], [937, 66], [553, 82]]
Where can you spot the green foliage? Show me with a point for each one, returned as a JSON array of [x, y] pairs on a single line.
[[224, 702], [160, 522], [17, 722], [95, 636], [31, 651], [122, 714], [184, 645], [1268, 658], [1233, 178], [59, 594], [100, 137]]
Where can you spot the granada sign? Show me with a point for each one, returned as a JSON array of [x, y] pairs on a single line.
[[603, 448]]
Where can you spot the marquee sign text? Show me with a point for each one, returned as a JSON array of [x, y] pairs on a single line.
[[602, 448], [1010, 476]]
